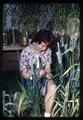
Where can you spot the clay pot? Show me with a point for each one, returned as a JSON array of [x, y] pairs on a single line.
[[24, 41]]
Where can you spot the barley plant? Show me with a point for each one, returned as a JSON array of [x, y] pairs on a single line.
[[67, 94], [67, 97], [26, 102]]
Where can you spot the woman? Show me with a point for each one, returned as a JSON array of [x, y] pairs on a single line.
[[40, 48]]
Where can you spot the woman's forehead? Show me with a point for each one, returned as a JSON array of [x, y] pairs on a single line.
[[44, 44]]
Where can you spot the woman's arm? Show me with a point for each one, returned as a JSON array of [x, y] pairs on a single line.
[[46, 71], [23, 64]]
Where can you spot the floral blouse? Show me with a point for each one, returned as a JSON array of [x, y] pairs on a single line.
[[28, 54]]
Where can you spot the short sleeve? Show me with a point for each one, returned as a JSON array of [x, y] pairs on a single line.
[[23, 62], [49, 56]]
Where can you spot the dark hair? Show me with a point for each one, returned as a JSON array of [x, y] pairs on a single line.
[[44, 36]]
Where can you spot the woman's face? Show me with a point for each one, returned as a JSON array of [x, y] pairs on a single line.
[[42, 46]]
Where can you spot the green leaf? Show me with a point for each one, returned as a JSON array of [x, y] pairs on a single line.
[[68, 70]]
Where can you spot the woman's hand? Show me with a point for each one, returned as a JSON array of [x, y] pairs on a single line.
[[42, 73], [49, 76], [25, 74]]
